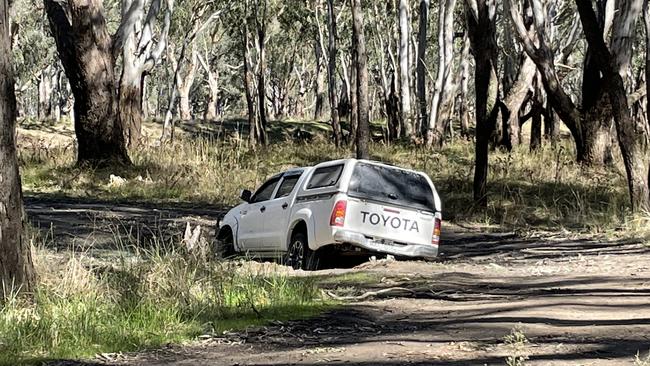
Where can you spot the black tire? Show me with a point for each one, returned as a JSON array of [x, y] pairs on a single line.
[[299, 256], [225, 246]]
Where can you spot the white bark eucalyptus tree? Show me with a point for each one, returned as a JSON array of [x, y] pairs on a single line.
[[421, 68], [444, 86], [141, 49], [404, 68]]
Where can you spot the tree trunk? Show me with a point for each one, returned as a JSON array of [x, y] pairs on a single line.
[[130, 109], [319, 90], [130, 93], [633, 138], [404, 69], [16, 268], [45, 88], [261, 69], [141, 50], [514, 100], [361, 67], [442, 95], [464, 90], [421, 62], [537, 110], [253, 133], [331, 73], [551, 124], [185, 86], [596, 107], [481, 25], [353, 114], [213, 92], [84, 44]]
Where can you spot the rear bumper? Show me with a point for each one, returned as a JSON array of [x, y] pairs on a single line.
[[408, 250]]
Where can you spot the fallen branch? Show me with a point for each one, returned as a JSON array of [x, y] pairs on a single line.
[[391, 291]]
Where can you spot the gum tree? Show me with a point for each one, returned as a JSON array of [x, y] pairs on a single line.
[[16, 269]]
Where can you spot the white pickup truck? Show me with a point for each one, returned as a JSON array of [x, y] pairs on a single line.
[[345, 206]]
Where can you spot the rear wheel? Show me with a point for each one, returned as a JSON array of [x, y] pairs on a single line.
[[225, 247], [299, 255]]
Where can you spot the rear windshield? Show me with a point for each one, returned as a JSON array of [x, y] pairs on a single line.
[[390, 185]]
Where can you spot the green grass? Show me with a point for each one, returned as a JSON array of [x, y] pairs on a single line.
[[145, 299]]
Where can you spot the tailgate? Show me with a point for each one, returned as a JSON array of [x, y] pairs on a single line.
[[381, 221]]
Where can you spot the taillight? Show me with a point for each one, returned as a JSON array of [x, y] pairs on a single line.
[[338, 214], [437, 225]]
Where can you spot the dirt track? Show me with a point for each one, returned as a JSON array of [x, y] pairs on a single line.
[[577, 301]]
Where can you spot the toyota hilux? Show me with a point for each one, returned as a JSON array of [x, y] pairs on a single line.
[[342, 206]]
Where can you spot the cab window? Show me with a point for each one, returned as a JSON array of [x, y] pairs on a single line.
[[287, 186], [265, 191]]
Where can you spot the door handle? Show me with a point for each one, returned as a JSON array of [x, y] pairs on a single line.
[[285, 205], [263, 208]]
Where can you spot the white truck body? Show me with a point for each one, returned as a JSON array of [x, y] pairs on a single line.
[[363, 204]]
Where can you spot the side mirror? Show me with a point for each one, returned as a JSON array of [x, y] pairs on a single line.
[[246, 195]]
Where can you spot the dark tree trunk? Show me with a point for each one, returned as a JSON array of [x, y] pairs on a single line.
[[537, 110], [84, 48], [16, 268], [319, 87], [421, 63], [481, 24], [353, 114], [331, 73], [261, 77], [633, 139], [361, 66], [551, 124], [597, 113]]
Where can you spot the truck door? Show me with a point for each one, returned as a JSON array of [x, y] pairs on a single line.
[[277, 213], [252, 216]]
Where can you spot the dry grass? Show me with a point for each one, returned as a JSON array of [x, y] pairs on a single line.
[[545, 190]]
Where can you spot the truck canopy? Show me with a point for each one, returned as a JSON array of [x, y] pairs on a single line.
[[391, 186]]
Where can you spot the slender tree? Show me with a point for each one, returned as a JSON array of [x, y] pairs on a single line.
[[16, 268], [331, 73], [404, 68], [444, 87], [481, 26], [361, 67], [421, 62]]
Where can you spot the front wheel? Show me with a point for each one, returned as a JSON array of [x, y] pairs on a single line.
[[299, 255], [225, 246]]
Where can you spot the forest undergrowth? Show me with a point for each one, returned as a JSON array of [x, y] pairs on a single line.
[[542, 190]]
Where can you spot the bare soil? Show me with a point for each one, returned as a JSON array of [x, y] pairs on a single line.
[[578, 300]]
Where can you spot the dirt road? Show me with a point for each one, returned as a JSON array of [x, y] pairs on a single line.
[[549, 299]]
